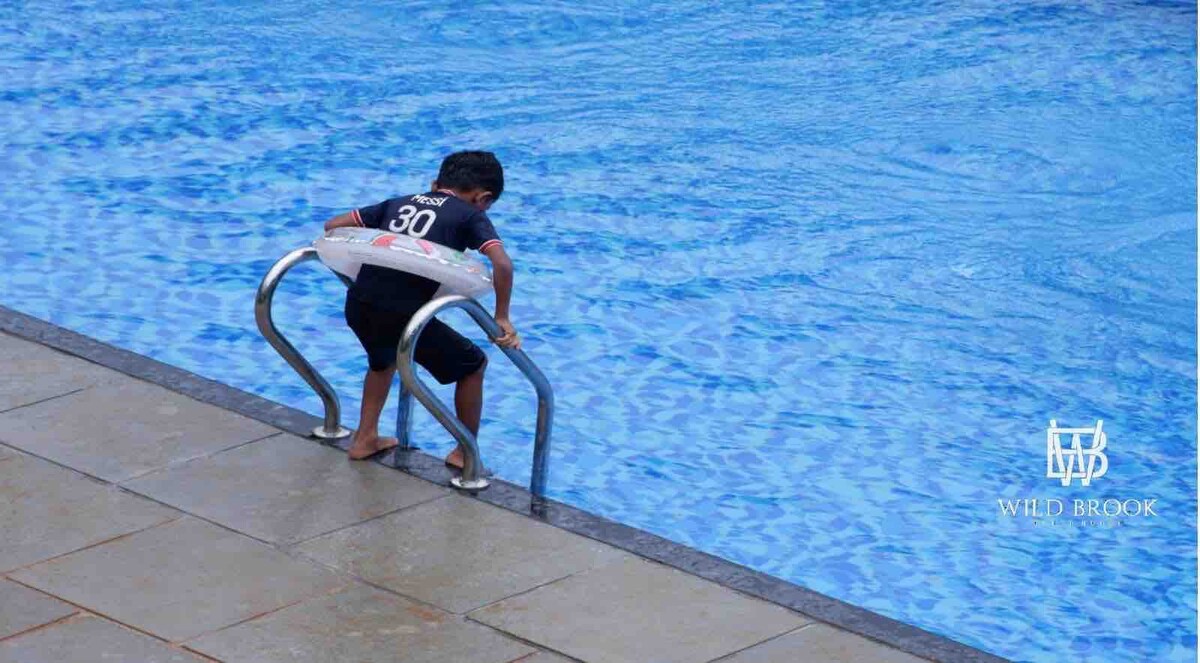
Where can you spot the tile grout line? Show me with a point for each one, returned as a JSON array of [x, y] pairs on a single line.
[[538, 647], [83, 612], [659, 563], [300, 542], [726, 657], [541, 646], [469, 616], [344, 584], [49, 624], [753, 594], [523, 592], [62, 465], [310, 597], [176, 464], [118, 483], [189, 514], [45, 400], [348, 580], [59, 556], [452, 617], [288, 549], [736, 590], [359, 579], [201, 655], [43, 592], [291, 552]]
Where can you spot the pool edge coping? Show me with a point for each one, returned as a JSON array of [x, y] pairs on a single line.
[[860, 621]]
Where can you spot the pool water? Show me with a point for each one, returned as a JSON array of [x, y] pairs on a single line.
[[809, 282]]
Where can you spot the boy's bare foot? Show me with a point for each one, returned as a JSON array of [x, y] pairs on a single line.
[[365, 447], [455, 459]]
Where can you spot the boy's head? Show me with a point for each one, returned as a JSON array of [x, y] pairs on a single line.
[[474, 176]]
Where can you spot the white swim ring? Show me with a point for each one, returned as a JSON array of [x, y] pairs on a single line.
[[346, 250]]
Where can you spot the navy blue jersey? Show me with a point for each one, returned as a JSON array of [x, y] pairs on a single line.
[[438, 217]]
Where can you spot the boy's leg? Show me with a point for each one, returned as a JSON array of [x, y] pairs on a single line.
[[468, 405], [379, 332], [366, 441], [451, 357]]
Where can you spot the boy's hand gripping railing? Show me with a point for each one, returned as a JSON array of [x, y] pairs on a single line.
[[470, 479], [331, 428]]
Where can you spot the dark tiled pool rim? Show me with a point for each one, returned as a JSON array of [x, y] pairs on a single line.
[[514, 498]]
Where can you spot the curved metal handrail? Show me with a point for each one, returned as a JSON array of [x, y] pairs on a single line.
[[331, 428], [411, 385], [470, 479]]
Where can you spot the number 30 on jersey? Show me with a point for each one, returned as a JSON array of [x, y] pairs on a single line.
[[410, 220]]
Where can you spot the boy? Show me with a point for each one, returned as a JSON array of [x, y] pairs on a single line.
[[382, 301]]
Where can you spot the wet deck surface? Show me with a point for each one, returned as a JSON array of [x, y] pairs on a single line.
[[142, 525]]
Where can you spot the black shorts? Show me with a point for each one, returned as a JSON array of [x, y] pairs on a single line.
[[445, 353]]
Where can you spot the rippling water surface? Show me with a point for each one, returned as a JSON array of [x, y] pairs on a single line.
[[809, 282]]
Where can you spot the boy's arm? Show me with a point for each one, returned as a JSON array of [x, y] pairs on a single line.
[[346, 220], [502, 281], [370, 216]]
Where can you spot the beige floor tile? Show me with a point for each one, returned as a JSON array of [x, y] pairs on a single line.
[[822, 643], [639, 612], [88, 639], [46, 510], [120, 430], [22, 608], [359, 624], [285, 489], [457, 553], [181, 579], [543, 657], [30, 372]]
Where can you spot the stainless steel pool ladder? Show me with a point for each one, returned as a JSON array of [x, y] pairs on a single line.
[[411, 385]]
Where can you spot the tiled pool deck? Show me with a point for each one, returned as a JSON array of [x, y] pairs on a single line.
[[152, 515]]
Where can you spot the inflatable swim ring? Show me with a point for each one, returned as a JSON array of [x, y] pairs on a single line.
[[346, 250]]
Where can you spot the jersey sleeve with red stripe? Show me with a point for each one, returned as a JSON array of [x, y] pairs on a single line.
[[370, 216], [479, 233]]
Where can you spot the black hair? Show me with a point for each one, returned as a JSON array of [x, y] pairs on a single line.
[[472, 169]]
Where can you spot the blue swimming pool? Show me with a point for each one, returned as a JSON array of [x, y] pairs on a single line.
[[809, 282]]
